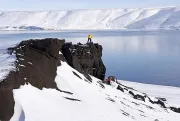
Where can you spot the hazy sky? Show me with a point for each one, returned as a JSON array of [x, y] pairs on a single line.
[[16, 5]]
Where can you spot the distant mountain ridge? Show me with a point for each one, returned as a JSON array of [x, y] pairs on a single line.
[[136, 18]]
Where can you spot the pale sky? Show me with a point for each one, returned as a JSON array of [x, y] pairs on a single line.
[[34, 5]]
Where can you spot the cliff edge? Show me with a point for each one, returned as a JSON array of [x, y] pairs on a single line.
[[86, 58]]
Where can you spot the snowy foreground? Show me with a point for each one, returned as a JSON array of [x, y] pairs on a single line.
[[89, 101], [137, 18]]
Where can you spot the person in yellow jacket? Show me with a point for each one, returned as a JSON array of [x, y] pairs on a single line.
[[89, 38]]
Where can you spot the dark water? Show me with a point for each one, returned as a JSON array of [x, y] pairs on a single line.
[[141, 56]]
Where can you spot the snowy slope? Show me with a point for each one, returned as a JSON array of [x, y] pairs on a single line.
[[84, 101], [137, 18], [7, 63], [172, 94]]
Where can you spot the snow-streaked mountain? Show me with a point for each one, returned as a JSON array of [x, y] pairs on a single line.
[[137, 18]]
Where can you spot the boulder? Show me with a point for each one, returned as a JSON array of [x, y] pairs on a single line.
[[177, 110]]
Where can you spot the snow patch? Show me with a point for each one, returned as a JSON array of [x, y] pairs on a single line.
[[30, 63], [21, 65], [18, 111], [21, 59]]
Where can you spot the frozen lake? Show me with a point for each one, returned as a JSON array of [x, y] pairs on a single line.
[[141, 56]]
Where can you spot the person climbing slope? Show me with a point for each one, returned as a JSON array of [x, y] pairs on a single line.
[[89, 38]]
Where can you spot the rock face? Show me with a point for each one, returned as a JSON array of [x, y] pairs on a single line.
[[86, 58], [36, 63]]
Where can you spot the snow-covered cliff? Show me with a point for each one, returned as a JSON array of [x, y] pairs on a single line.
[[137, 18], [41, 86]]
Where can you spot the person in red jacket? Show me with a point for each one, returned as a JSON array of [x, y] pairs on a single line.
[[109, 80]]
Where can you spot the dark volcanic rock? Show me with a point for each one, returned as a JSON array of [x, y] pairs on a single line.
[[177, 110], [120, 88], [86, 58], [130, 92], [36, 63], [140, 97], [159, 102]]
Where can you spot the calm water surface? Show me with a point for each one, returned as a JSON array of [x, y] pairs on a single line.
[[141, 56]]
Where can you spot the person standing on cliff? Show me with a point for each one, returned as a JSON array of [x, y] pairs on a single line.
[[89, 38]]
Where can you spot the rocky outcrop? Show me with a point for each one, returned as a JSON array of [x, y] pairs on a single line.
[[86, 58], [177, 110], [36, 63]]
